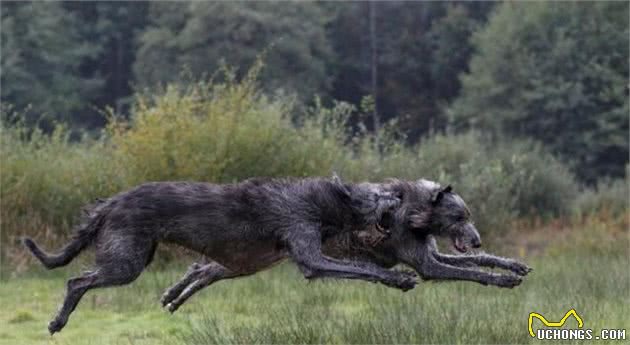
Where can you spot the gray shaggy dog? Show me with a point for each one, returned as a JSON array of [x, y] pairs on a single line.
[[427, 211], [246, 227], [404, 234]]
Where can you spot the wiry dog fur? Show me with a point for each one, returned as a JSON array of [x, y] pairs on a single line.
[[403, 235], [246, 227], [243, 228], [428, 210]]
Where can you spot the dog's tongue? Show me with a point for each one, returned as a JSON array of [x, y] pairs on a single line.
[[459, 245]]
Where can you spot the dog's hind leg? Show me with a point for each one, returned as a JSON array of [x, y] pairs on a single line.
[[77, 287], [119, 264], [195, 280], [191, 275]]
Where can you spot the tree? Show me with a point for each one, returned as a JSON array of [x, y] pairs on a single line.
[[556, 72], [422, 48], [114, 27], [198, 36], [42, 53], [374, 69]]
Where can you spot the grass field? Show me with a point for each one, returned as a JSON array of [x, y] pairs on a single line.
[[279, 306]]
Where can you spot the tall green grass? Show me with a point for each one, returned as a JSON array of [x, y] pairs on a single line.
[[228, 131], [464, 313], [45, 179], [608, 196], [280, 307], [223, 132]]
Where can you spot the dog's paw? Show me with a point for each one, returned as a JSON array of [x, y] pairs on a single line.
[[409, 273], [55, 326], [407, 280], [508, 280], [171, 307], [167, 297], [520, 268]]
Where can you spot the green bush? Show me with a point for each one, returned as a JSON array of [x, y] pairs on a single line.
[[217, 132], [46, 179], [556, 73], [608, 196], [229, 131], [221, 132]]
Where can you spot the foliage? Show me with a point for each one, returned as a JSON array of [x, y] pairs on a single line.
[[220, 132], [552, 72], [607, 197], [114, 27], [557, 73], [229, 131], [199, 35], [41, 56], [46, 179], [223, 132], [422, 47]]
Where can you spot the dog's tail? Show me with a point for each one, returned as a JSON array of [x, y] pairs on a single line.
[[95, 215]]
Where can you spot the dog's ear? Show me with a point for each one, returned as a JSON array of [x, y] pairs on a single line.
[[437, 196], [394, 187], [419, 220], [335, 178], [398, 194], [341, 187]]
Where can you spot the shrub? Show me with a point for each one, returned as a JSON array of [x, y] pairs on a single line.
[[557, 73], [609, 196], [541, 185], [224, 132], [217, 132], [46, 179], [229, 131]]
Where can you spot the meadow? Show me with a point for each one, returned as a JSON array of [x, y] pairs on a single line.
[[521, 107], [581, 266], [526, 203]]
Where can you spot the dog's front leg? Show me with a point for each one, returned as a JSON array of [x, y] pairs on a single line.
[[304, 243], [433, 269], [484, 260]]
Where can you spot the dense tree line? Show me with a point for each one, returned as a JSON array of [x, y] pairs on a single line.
[[556, 72]]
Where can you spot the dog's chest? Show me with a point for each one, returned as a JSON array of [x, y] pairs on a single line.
[[248, 256]]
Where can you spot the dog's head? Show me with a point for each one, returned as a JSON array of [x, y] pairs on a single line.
[[373, 203], [429, 209]]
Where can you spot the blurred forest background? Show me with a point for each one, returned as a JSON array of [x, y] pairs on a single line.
[[553, 72], [522, 106]]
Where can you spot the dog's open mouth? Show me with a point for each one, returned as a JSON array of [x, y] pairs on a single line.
[[460, 245]]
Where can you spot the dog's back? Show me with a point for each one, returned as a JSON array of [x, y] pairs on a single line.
[[204, 216]]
